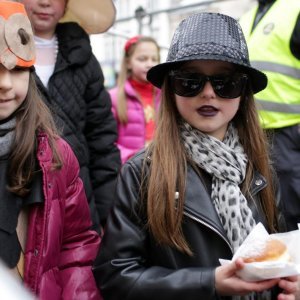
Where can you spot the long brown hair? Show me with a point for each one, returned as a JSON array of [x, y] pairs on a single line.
[[32, 117], [169, 169], [123, 76]]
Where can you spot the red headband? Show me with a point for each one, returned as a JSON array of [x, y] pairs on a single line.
[[131, 41]]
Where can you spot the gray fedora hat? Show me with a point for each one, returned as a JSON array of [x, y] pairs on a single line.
[[210, 36]]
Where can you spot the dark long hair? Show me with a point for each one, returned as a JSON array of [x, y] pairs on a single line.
[[169, 168], [32, 117]]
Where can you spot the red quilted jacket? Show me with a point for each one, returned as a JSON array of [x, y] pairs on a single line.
[[60, 248]]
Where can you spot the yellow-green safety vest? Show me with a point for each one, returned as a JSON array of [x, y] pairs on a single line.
[[269, 51]]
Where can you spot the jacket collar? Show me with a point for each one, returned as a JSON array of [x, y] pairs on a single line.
[[198, 204], [74, 44], [132, 93], [44, 153]]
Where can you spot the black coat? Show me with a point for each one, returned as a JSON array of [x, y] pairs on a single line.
[[132, 266], [82, 110]]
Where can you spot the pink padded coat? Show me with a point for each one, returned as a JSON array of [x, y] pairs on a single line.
[[131, 136], [60, 247]]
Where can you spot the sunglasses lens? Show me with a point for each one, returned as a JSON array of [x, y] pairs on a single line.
[[186, 85], [225, 86], [230, 86]]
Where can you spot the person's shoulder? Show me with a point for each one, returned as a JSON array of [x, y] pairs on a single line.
[[113, 91], [70, 28], [138, 161], [62, 144], [75, 46], [70, 163], [65, 150]]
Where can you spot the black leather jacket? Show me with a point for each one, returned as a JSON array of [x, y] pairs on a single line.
[[132, 266]]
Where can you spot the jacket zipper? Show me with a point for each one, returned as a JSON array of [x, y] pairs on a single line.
[[210, 227]]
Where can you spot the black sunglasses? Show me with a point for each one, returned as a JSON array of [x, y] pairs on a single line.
[[227, 86]]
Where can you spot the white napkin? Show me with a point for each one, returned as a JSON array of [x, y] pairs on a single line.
[[257, 271]]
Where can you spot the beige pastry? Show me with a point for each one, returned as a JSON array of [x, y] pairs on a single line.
[[271, 250]]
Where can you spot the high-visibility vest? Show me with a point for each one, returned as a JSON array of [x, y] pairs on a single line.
[[269, 51]]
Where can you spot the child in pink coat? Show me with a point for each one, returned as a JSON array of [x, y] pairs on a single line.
[[135, 101]]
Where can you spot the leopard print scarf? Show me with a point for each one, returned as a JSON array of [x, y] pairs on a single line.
[[226, 161]]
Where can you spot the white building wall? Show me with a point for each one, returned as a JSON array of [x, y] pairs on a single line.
[[108, 47]]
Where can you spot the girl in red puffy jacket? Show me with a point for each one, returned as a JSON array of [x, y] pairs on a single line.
[[45, 223]]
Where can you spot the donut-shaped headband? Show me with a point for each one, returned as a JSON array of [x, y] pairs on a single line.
[[16, 37]]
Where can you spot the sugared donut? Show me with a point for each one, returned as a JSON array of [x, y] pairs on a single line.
[[271, 250]]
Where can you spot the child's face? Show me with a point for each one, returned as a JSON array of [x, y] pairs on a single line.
[[13, 90], [44, 15], [207, 111], [144, 57]]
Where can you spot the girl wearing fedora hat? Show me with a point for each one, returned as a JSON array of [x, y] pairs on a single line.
[[46, 240], [72, 85], [198, 190]]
